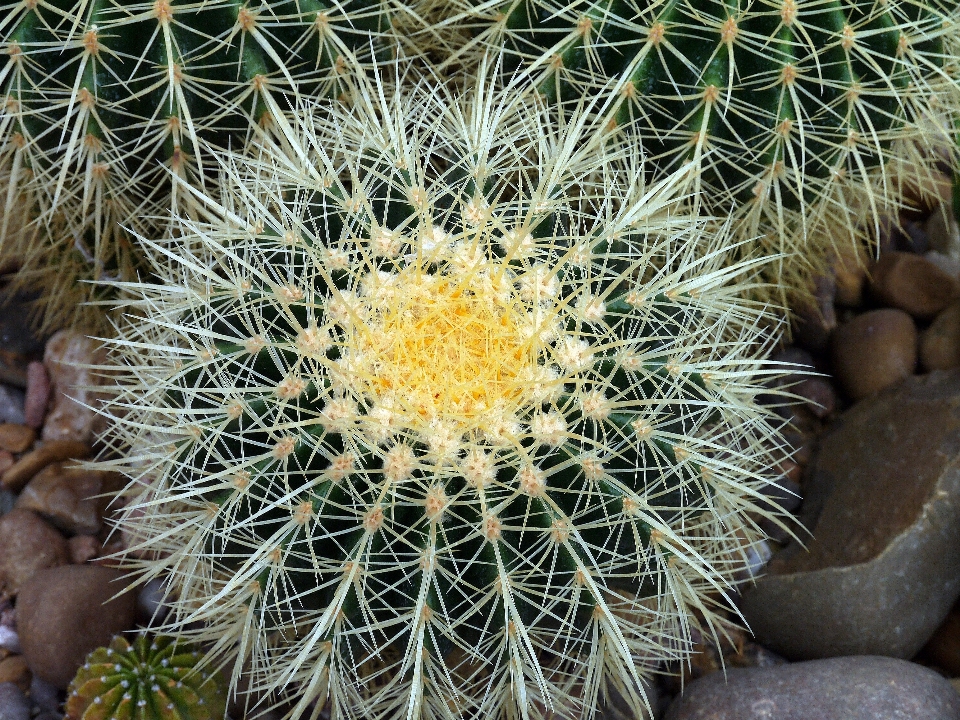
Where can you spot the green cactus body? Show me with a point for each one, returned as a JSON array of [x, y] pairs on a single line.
[[103, 103], [807, 116], [464, 427], [150, 679]]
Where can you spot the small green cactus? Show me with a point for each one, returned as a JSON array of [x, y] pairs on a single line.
[[446, 417], [150, 679], [807, 116], [103, 104]]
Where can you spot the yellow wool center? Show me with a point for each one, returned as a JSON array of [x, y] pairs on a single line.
[[445, 348]]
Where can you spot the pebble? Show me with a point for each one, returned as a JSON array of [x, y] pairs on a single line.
[[13, 704], [37, 396], [941, 228], [151, 602], [913, 284], [83, 548], [882, 499], [11, 405], [948, 263], [815, 318], [28, 544], [68, 357], [819, 395], [64, 613], [67, 497], [874, 351], [44, 695], [14, 670], [943, 649], [850, 277], [36, 460], [16, 438], [940, 343], [844, 688], [6, 461], [9, 639]]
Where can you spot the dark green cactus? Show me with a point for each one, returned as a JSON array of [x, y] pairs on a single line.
[[150, 679]]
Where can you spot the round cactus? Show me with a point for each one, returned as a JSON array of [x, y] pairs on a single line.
[[103, 104], [446, 416], [150, 679], [809, 117]]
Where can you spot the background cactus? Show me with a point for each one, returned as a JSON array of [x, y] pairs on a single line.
[[808, 117], [445, 417], [103, 103], [150, 679]]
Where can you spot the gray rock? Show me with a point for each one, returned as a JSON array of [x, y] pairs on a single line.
[[847, 688], [13, 704], [11, 405], [44, 695], [882, 498]]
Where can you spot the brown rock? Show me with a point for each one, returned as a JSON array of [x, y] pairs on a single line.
[[28, 544], [63, 613], [913, 284], [874, 351], [37, 396], [36, 460], [850, 276], [815, 316], [83, 548], [16, 438], [6, 461], [69, 357], [942, 230], [940, 343], [14, 669], [943, 649], [70, 498], [882, 500]]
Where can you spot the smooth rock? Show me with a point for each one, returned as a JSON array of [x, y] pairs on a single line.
[[28, 544], [44, 695], [940, 343], [882, 499], [14, 670], [36, 460], [941, 228], [6, 461], [11, 405], [16, 438], [68, 358], [9, 639], [948, 263], [815, 318], [943, 649], [83, 548], [64, 613], [913, 284], [70, 498], [874, 351], [37, 396], [843, 688], [819, 395], [13, 703], [152, 605], [850, 277]]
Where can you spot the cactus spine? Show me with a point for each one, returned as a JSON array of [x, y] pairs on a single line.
[[809, 117], [445, 416], [103, 104]]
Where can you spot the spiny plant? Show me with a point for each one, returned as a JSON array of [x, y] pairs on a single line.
[[149, 679], [809, 117], [103, 103], [447, 417]]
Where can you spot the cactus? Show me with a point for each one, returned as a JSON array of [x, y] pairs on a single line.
[[808, 117], [150, 679], [445, 416], [102, 105]]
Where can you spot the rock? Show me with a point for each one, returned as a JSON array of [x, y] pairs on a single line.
[[44, 695], [874, 351], [882, 498], [16, 438], [9, 639], [37, 396], [6, 461], [14, 670], [943, 649], [913, 284], [941, 228], [815, 318], [11, 405], [13, 704], [64, 613], [948, 263], [28, 544], [850, 276], [67, 497], [151, 603], [36, 460], [83, 548], [843, 688], [940, 343], [68, 358], [818, 392]]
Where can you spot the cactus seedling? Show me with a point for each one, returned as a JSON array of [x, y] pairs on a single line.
[[149, 679], [446, 416]]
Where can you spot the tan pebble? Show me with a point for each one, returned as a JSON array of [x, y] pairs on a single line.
[[6, 461], [874, 351], [850, 273], [37, 396], [83, 548], [14, 669], [69, 497], [16, 438], [940, 343], [36, 460], [29, 544], [913, 284], [69, 357]]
